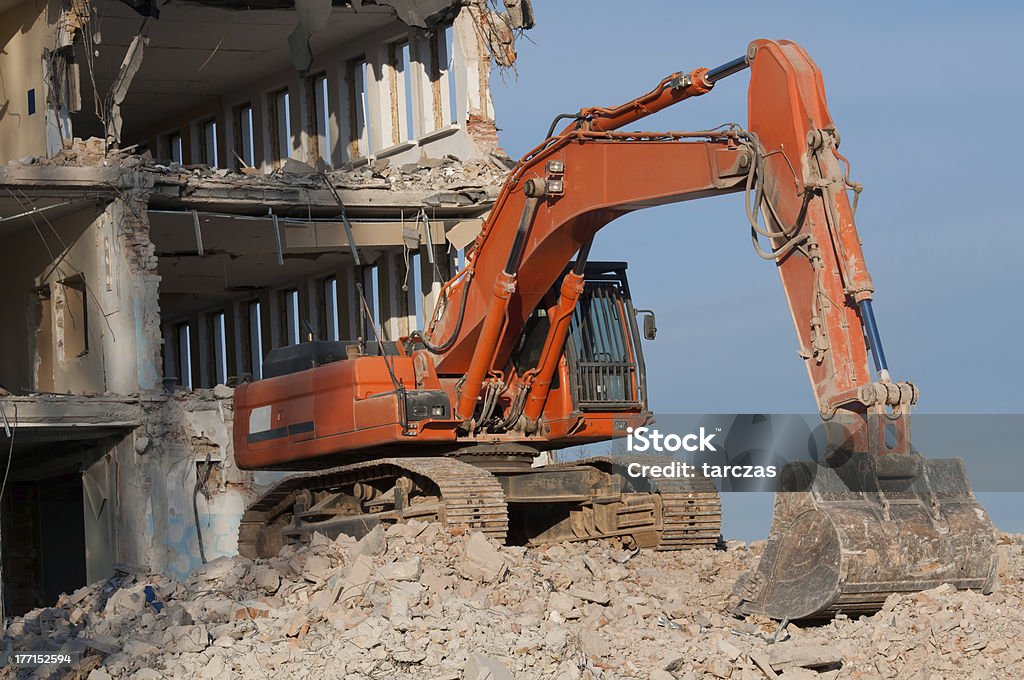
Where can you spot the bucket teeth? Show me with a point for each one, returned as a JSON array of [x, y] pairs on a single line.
[[845, 538]]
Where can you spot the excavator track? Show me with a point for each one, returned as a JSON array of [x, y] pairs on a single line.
[[691, 507], [468, 496], [686, 513], [692, 515]]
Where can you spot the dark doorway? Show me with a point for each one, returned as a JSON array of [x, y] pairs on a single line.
[[61, 535], [43, 541]]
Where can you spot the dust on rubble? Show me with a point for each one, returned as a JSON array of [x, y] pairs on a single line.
[[419, 601]]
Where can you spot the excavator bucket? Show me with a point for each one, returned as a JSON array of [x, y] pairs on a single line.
[[845, 537]]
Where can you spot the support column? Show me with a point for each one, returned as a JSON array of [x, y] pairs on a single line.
[[348, 304], [394, 302], [370, 293], [432, 278], [472, 65]]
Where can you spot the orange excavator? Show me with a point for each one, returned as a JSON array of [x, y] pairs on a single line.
[[533, 348]]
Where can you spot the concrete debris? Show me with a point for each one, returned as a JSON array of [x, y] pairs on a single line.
[[466, 182], [265, 578], [422, 13], [482, 667], [406, 570], [482, 560], [416, 601], [118, 91], [223, 392], [785, 656], [371, 544]]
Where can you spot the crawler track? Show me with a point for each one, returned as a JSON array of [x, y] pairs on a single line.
[[456, 493], [692, 514], [470, 497], [691, 507]]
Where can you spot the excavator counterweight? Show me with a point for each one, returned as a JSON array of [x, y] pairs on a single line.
[[532, 348]]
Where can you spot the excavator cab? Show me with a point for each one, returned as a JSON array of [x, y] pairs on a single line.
[[606, 364], [604, 358]]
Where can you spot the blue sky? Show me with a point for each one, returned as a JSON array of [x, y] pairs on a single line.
[[927, 98]]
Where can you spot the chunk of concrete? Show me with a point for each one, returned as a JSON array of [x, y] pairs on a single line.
[[266, 578], [406, 570], [373, 543], [790, 655], [185, 639], [223, 392], [482, 561], [358, 579], [126, 601], [600, 597], [482, 667], [214, 570], [316, 567]]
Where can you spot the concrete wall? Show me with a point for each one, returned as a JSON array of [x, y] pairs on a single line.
[[196, 425], [131, 502], [137, 487], [109, 249], [24, 33]]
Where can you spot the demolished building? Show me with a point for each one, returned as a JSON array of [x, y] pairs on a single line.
[[184, 187]]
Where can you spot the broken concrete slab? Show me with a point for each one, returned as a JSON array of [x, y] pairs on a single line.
[[266, 578], [355, 582], [126, 600], [178, 639], [482, 561], [213, 570], [405, 570], [483, 667], [790, 654], [373, 543], [317, 567], [601, 597]]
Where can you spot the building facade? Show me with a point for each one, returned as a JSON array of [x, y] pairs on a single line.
[[184, 187]]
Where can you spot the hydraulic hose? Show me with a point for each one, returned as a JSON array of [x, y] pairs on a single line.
[[447, 344], [561, 116]]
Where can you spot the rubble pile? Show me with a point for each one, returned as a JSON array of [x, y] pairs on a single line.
[[419, 601], [449, 173]]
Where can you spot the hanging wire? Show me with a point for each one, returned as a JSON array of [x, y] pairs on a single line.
[[10, 431], [405, 255], [433, 258]]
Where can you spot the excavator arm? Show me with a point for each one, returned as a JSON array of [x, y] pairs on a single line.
[[575, 183]]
